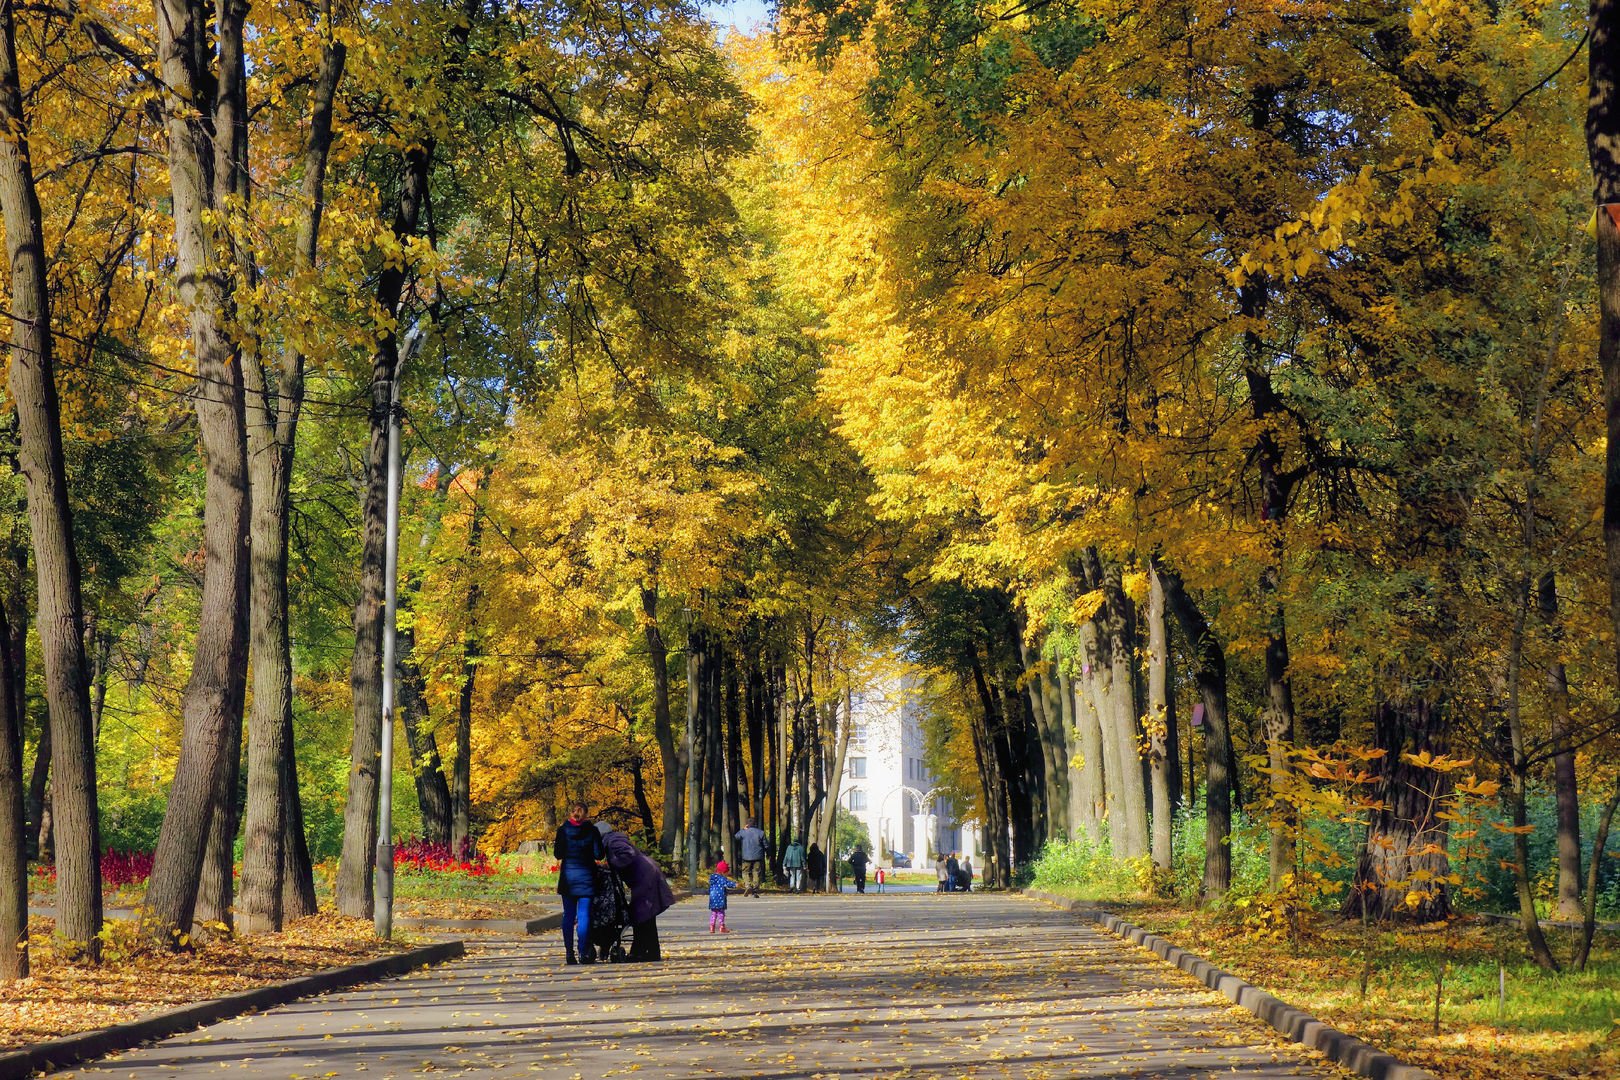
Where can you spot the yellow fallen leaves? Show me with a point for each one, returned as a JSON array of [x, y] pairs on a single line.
[[61, 999]]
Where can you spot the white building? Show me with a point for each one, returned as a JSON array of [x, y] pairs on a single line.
[[887, 784]]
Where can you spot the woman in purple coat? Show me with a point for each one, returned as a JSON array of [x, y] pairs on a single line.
[[650, 894]]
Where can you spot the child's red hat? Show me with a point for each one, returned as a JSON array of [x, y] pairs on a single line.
[[721, 867]]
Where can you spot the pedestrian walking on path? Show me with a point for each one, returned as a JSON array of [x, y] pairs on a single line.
[[751, 852], [793, 861], [815, 861], [857, 865], [650, 894], [944, 874], [719, 887], [578, 849]]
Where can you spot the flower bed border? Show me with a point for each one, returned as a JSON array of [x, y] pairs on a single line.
[[1358, 1056], [87, 1045]]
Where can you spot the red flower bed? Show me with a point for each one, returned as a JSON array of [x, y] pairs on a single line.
[[421, 857], [118, 868]]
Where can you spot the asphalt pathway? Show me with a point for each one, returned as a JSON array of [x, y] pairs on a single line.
[[900, 985]]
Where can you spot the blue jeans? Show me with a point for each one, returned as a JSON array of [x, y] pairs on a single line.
[[576, 913]]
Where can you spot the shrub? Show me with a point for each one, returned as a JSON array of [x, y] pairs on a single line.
[[418, 856]]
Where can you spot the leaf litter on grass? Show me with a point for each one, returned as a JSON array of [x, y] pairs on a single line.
[[59, 998]]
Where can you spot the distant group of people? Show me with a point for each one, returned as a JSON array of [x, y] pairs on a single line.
[[583, 848], [954, 875]]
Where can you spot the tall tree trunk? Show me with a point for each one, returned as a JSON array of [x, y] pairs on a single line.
[[992, 782], [216, 888], [757, 722], [61, 613], [835, 781], [1082, 819], [698, 740], [735, 778], [274, 401], [663, 729], [427, 768], [298, 871], [471, 656], [1161, 722], [38, 809], [1518, 775], [1603, 149], [1116, 631], [1209, 668], [1277, 712], [205, 102], [354, 881], [1563, 761], [1406, 835], [13, 841], [1090, 745], [1054, 795], [1583, 948]]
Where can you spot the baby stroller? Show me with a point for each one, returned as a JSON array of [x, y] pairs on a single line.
[[610, 914]]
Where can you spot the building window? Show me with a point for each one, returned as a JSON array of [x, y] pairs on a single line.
[[858, 736], [857, 768], [857, 799]]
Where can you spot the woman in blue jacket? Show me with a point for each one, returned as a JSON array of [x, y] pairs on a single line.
[[578, 849]]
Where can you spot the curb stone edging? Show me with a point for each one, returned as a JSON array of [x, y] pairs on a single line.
[[523, 927], [88, 1045], [1337, 1046]]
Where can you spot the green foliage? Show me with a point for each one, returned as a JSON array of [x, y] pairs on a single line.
[[848, 832]]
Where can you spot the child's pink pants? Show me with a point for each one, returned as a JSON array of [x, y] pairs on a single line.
[[717, 920]]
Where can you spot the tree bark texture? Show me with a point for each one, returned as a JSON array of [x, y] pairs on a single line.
[[1209, 668], [1603, 150], [1583, 948], [1117, 653], [274, 401], [1160, 722], [207, 147], [13, 826], [1518, 776], [354, 884], [1563, 761], [61, 611], [471, 656], [663, 729], [1407, 835]]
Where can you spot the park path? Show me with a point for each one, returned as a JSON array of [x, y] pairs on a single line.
[[899, 985]]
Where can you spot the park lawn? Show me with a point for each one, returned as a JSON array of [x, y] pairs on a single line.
[[59, 998], [1565, 1025], [459, 896]]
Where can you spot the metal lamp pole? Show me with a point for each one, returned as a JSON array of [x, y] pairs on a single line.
[[383, 901]]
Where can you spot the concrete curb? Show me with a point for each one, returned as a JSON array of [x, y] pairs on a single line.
[[497, 926], [1359, 1057], [76, 1049]]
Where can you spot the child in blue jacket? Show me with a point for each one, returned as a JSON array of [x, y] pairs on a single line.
[[719, 886]]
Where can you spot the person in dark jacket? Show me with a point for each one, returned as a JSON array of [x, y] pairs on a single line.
[[650, 894], [815, 862], [857, 866], [578, 849]]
